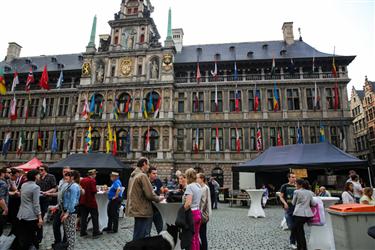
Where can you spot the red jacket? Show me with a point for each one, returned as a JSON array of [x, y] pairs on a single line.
[[88, 199]]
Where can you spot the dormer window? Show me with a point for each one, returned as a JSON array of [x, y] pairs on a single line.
[[34, 67], [265, 46], [217, 57], [7, 69], [283, 52], [53, 59], [250, 54], [60, 65], [28, 61]]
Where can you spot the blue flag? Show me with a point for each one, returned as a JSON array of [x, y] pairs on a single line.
[[60, 81], [235, 75], [54, 142], [92, 104], [6, 145], [150, 107], [322, 137], [299, 136]]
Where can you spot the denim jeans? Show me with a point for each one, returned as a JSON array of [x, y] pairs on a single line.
[[142, 228], [57, 227], [290, 223], [158, 220]]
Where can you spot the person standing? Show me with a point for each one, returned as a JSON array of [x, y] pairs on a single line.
[[357, 187], [29, 214], [114, 197], [70, 199], [88, 204], [206, 210], [47, 184], [323, 192], [286, 197], [139, 202], [214, 190], [14, 197], [348, 196], [156, 185], [303, 201], [4, 197], [367, 198]]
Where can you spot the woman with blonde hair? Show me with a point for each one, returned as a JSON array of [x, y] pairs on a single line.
[[192, 198], [366, 198], [206, 210]]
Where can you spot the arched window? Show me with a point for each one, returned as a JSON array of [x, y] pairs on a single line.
[[125, 103], [142, 38], [99, 104], [95, 138], [152, 103], [154, 140], [123, 141]]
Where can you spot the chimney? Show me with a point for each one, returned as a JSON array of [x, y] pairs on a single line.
[[178, 38], [288, 33], [14, 51]]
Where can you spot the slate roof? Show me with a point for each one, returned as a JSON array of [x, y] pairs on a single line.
[[299, 49], [53, 62], [361, 94]]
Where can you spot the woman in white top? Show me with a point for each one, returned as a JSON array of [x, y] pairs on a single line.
[[206, 210], [348, 196], [192, 199]]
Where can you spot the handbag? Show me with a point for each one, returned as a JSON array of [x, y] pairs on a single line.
[[318, 218]]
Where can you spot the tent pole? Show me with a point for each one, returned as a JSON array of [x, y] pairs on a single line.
[[370, 177]]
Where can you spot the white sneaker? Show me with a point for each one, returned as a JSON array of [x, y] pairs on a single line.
[[293, 246]]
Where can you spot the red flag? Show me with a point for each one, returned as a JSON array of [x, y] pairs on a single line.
[[334, 71], [114, 148], [237, 100], [279, 141], [198, 74], [336, 103], [238, 141], [256, 101], [148, 145], [126, 110], [13, 109], [30, 80], [259, 140], [43, 83], [157, 107]]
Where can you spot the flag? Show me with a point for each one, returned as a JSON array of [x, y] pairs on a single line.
[[299, 135], [30, 79], [60, 81], [54, 147], [39, 144], [157, 107], [275, 98], [322, 137], [238, 141], [336, 101], [342, 139], [150, 106], [217, 143], [43, 111], [43, 82], [13, 109], [127, 140], [216, 101], [21, 142], [291, 66], [313, 64], [235, 75], [6, 143], [279, 140], [148, 146], [196, 102], [257, 97], [110, 136], [108, 146], [127, 104], [144, 111], [85, 111], [101, 107], [196, 144], [114, 148], [237, 100], [334, 71], [116, 110], [26, 109], [198, 76], [3, 86], [214, 73], [92, 105], [259, 140], [273, 69], [316, 98], [15, 81], [88, 145]]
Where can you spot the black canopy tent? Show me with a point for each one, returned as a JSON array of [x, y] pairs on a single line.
[[103, 163]]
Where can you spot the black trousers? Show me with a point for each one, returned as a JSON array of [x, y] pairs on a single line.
[[44, 203], [2, 222], [299, 231], [113, 211], [57, 227], [13, 207], [85, 211], [203, 236], [27, 234]]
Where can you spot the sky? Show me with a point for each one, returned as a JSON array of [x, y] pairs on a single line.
[[48, 27]]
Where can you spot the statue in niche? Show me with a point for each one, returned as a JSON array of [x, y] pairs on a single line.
[[124, 39], [100, 74], [154, 69]]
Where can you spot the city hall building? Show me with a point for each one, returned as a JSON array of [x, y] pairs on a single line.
[[208, 106]]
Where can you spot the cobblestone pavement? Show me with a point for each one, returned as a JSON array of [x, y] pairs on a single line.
[[230, 228]]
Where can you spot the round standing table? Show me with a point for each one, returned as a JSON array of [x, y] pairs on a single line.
[[256, 209], [321, 237], [102, 201]]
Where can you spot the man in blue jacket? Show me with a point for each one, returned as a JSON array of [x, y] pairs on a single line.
[[113, 208]]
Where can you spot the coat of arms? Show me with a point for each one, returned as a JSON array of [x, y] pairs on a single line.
[[167, 62], [126, 67], [86, 69]]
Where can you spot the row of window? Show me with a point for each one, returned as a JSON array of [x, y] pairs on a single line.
[[292, 99], [359, 125], [356, 111], [33, 107], [361, 143], [370, 114]]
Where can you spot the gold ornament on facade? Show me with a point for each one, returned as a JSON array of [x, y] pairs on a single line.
[[167, 62], [86, 69], [126, 67]]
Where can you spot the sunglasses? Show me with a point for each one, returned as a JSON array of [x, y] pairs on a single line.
[[41, 169]]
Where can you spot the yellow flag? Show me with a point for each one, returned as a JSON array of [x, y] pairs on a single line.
[[110, 136], [108, 146]]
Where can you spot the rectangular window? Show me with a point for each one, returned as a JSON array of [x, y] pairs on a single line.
[[139, 70], [29, 140], [6, 108], [293, 99], [200, 139], [253, 141], [232, 101], [233, 139], [292, 135], [314, 134], [219, 101], [60, 140], [334, 136], [45, 137], [63, 106], [14, 143], [273, 135], [33, 107], [20, 108], [270, 106], [198, 102], [330, 95], [180, 140], [181, 102], [213, 139], [252, 94], [49, 107]]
